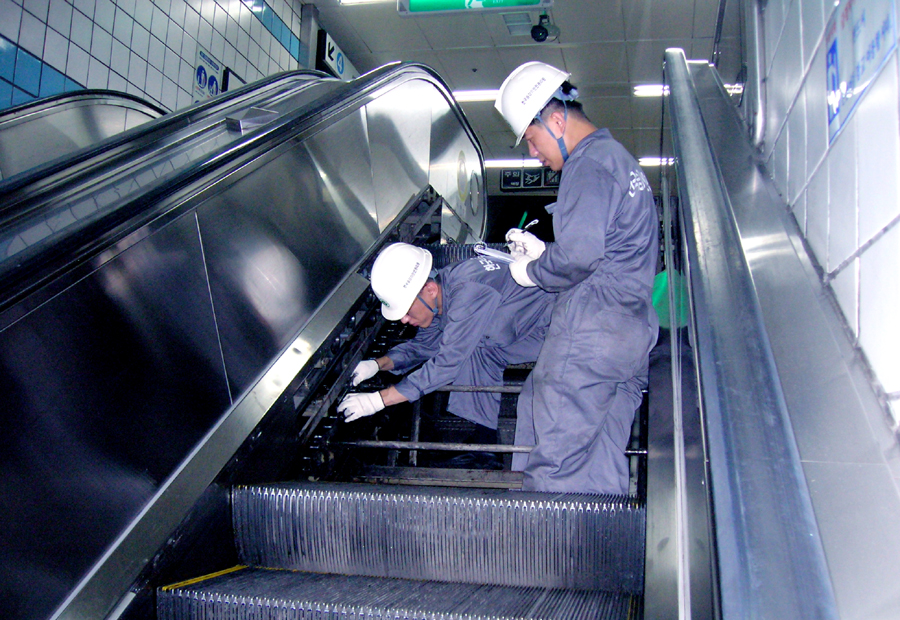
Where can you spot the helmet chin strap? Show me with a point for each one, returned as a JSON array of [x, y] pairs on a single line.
[[560, 140], [433, 310]]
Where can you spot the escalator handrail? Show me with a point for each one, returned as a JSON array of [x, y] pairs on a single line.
[[770, 559], [40, 105], [60, 171], [19, 279]]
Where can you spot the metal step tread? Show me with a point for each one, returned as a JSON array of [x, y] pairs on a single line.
[[471, 535], [254, 593]]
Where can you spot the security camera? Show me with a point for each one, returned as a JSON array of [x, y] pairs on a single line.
[[544, 31]]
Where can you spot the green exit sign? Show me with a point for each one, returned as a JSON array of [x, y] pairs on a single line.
[[412, 7]]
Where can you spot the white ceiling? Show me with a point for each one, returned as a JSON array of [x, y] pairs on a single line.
[[609, 46]]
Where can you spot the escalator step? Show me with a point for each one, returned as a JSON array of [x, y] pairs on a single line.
[[468, 535], [258, 594]]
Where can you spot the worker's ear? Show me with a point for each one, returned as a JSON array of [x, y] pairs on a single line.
[[431, 288], [557, 120]]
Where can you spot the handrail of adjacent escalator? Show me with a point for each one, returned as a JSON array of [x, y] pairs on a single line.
[[41, 176], [82, 240], [770, 559], [90, 93]]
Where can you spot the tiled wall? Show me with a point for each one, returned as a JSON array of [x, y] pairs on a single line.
[[846, 195], [145, 48]]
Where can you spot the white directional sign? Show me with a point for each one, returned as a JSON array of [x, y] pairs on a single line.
[[335, 59]]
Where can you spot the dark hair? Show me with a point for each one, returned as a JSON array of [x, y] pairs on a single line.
[[557, 105]]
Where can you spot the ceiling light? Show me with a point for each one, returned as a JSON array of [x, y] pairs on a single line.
[[476, 95], [518, 24], [657, 90], [512, 163], [650, 90], [649, 162], [364, 1]]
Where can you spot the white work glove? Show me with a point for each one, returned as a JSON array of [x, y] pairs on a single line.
[[519, 271], [360, 405], [523, 243], [366, 369]]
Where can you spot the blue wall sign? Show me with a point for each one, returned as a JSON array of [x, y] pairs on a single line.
[[207, 76], [860, 36]]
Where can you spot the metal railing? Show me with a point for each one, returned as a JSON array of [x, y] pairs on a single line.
[[769, 556]]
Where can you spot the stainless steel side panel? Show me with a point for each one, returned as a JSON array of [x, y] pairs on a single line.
[[399, 124], [345, 172], [103, 389], [277, 241], [456, 170], [110, 578]]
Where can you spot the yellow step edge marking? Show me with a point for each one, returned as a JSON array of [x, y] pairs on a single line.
[[191, 582]]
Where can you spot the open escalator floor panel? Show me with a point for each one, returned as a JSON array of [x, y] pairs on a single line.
[[267, 594]]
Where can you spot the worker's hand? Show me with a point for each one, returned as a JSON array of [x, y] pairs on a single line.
[[519, 271], [523, 243], [360, 405], [366, 369]]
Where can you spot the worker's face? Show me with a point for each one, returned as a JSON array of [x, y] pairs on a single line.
[[543, 145], [420, 315]]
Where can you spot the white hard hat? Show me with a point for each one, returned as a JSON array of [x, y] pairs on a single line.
[[399, 273], [525, 92]]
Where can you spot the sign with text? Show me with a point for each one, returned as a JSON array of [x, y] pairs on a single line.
[[860, 36], [330, 58], [207, 76], [515, 179]]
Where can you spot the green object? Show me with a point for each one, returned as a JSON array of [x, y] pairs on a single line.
[[524, 217], [661, 284], [424, 6]]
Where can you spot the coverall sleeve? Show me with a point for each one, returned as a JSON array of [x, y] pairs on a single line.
[[423, 346], [467, 320], [580, 222]]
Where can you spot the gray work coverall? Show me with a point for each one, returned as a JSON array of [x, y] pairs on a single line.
[[487, 322], [588, 379]]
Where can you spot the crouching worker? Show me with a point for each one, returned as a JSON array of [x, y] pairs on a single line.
[[473, 321]]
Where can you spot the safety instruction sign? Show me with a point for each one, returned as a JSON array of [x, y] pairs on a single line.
[[207, 76], [513, 179], [860, 36]]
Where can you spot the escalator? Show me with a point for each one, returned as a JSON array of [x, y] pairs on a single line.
[[181, 309], [41, 131]]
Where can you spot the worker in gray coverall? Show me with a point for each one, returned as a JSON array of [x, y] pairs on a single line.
[[473, 321], [588, 379]]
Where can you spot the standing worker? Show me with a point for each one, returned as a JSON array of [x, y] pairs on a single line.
[[588, 379], [473, 320]]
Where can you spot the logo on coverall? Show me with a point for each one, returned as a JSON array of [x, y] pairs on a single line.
[[488, 264], [638, 183]]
